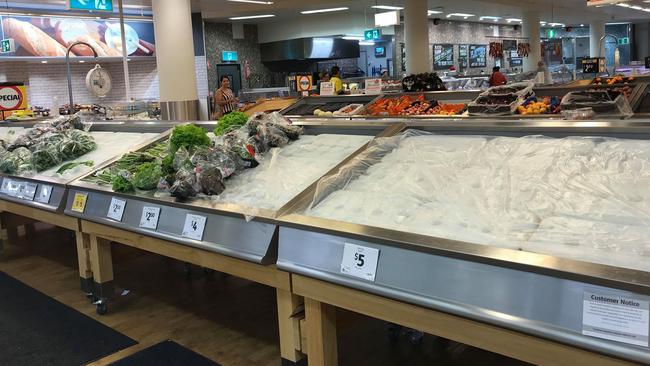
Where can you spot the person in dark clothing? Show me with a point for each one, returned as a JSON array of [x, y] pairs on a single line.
[[497, 78]]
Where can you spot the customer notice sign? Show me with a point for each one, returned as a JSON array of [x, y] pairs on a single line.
[[93, 5]]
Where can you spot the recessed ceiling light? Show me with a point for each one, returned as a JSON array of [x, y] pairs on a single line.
[[44, 61], [253, 2], [487, 17], [323, 10], [387, 7], [465, 16], [353, 38], [582, 25], [81, 61], [253, 17], [431, 12], [366, 43], [511, 20]]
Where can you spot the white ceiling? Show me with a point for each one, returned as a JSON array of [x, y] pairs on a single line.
[[559, 11]]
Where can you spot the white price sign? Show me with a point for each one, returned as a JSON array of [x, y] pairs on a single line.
[[373, 86], [326, 88], [26, 191], [194, 227], [360, 261], [116, 209], [44, 194], [12, 188], [149, 219], [5, 186], [617, 318]]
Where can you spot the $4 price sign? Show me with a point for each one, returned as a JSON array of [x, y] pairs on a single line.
[[149, 218], [359, 261], [116, 209], [194, 227]]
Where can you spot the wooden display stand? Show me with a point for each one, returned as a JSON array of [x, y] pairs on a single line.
[[101, 264], [321, 298]]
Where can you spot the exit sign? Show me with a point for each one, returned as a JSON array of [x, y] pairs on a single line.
[[551, 33], [7, 46], [229, 56], [93, 5], [372, 34], [624, 40]]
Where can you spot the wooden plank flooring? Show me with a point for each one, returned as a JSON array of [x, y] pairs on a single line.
[[226, 319]]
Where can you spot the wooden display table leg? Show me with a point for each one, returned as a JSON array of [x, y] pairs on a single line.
[[290, 346], [101, 262], [321, 333], [10, 226], [83, 256]]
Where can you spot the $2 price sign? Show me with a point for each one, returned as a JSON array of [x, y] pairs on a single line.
[[359, 261], [194, 227], [149, 218], [116, 209]]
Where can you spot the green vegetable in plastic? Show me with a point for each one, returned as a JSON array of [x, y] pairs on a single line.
[[69, 166], [121, 184], [147, 176], [188, 136], [229, 122]]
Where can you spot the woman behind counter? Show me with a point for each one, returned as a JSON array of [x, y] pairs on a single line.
[[225, 98]]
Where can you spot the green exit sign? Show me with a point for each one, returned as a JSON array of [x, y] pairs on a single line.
[[624, 40], [551, 33], [7, 46], [372, 34], [93, 5]]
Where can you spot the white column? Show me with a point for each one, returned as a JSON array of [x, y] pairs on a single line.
[[175, 59], [530, 30], [596, 32], [416, 37]]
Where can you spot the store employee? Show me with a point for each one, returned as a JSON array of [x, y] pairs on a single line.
[[225, 98], [336, 80]]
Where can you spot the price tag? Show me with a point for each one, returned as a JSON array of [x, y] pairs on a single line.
[[12, 188], [360, 261], [44, 194], [5, 186], [194, 227], [149, 219], [116, 209], [26, 191], [79, 202], [373, 86], [617, 318], [326, 88]]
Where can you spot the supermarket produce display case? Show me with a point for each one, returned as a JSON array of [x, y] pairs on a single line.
[[542, 295], [304, 107]]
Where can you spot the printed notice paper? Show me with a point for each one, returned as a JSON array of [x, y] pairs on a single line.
[[617, 318]]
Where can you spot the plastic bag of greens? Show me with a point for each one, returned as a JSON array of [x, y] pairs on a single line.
[[278, 121], [22, 158], [48, 141], [185, 185], [210, 180], [181, 159], [147, 176], [121, 182], [77, 144], [46, 157]]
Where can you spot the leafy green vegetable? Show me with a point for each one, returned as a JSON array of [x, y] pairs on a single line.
[[121, 184], [229, 122], [147, 176], [188, 136], [72, 165], [168, 165]]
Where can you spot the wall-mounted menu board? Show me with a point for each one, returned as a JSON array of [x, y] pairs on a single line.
[[462, 55], [443, 56], [37, 36], [477, 55]]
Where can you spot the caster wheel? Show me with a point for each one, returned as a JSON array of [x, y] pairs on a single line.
[[415, 337], [102, 309]]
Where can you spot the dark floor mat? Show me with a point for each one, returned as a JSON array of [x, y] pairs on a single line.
[[167, 353], [35, 329]]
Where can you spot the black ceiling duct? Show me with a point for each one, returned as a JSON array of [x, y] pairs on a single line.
[[300, 54]]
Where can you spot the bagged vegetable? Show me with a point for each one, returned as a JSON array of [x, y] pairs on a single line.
[[185, 185], [77, 143], [181, 159], [147, 176], [210, 180], [46, 157], [17, 161], [121, 183]]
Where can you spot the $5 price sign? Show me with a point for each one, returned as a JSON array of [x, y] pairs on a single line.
[[360, 261]]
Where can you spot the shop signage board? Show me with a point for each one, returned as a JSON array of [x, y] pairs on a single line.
[[303, 83], [373, 86], [229, 56], [326, 88], [617, 318], [93, 5], [477, 55], [372, 34], [12, 97], [443, 56], [7, 45], [462, 55]]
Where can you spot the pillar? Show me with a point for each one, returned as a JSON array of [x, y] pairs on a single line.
[[530, 29], [596, 32], [416, 37], [175, 59]]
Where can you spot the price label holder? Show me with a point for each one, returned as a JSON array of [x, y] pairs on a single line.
[[44, 194], [26, 191], [616, 317], [5, 186], [12, 188], [373, 86], [116, 209], [79, 202], [360, 261], [194, 227], [326, 88], [150, 216]]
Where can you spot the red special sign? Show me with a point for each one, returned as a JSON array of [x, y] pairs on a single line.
[[10, 98]]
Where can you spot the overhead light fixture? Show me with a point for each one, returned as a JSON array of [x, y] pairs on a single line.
[[366, 43], [82, 61], [487, 17], [253, 17], [556, 24], [582, 25], [323, 10], [387, 19], [353, 38], [513, 20], [462, 15], [431, 12], [44, 61], [253, 2], [387, 7]]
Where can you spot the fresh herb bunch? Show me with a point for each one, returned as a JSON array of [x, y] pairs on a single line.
[[188, 136], [229, 122], [121, 184], [147, 176]]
